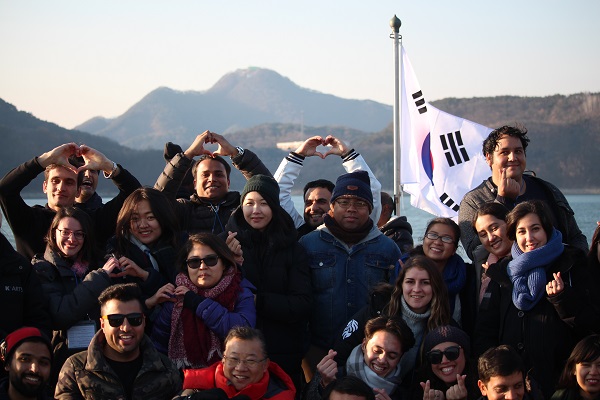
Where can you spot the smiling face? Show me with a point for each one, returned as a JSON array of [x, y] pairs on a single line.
[[316, 205], [509, 155], [60, 188], [144, 226], [447, 370], [530, 234], [492, 234], [257, 212], [587, 375], [511, 387], [211, 180], [88, 185], [241, 375], [69, 246], [382, 352], [122, 342], [29, 369], [416, 290], [438, 250], [205, 277]]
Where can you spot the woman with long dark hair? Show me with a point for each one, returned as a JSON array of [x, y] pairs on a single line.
[[539, 297], [277, 265], [209, 297], [580, 377]]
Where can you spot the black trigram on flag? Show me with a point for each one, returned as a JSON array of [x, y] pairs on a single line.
[[453, 148], [448, 202], [420, 102]]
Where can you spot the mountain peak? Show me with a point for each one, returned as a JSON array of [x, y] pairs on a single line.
[[250, 77]]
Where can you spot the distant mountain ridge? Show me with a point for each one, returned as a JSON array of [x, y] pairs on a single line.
[[239, 100]]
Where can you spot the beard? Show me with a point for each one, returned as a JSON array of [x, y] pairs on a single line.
[[26, 389]]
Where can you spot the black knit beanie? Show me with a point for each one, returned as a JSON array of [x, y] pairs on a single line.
[[266, 186], [446, 334]]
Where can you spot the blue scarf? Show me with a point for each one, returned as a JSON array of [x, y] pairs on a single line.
[[527, 271], [455, 278]]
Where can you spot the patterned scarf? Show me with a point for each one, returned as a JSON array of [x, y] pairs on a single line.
[[348, 237], [527, 271], [192, 344], [356, 366]]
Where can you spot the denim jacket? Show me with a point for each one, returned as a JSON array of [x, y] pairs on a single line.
[[342, 276]]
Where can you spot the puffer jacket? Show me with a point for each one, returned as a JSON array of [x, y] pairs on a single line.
[[87, 375], [197, 214]]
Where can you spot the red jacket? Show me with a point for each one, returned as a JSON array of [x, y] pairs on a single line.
[[274, 385]]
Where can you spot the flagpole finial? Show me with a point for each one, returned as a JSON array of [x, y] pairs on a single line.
[[395, 23]]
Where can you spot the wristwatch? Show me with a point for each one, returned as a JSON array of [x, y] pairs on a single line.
[[114, 169], [240, 152]]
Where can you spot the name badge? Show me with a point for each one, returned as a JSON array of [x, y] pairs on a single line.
[[80, 335]]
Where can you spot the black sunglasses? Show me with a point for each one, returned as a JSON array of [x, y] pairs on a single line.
[[116, 320], [209, 261], [451, 353]]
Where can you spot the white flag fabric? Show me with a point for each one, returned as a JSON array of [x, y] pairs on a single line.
[[441, 154]]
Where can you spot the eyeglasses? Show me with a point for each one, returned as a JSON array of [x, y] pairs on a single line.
[[209, 261], [116, 320], [358, 204], [435, 236], [451, 353], [66, 233], [233, 362]]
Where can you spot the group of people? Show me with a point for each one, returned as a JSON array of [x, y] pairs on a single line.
[[160, 293]]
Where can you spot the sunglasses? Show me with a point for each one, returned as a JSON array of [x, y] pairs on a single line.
[[209, 261], [451, 353], [116, 320]]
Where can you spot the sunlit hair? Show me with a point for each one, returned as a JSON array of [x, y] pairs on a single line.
[[88, 251], [439, 306], [593, 254], [491, 142], [536, 207], [492, 208], [394, 325], [587, 350], [448, 222], [207, 157], [216, 244], [244, 332], [499, 361], [123, 292], [54, 166], [161, 208]]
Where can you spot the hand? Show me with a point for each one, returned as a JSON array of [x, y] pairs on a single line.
[[327, 367], [129, 267], [225, 148], [60, 156], [380, 394], [95, 160], [197, 147], [235, 247], [431, 394], [485, 266], [180, 291], [110, 265], [555, 286], [309, 147], [337, 146], [508, 187], [458, 391], [164, 294]]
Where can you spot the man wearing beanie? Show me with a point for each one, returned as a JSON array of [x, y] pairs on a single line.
[[27, 356], [347, 255], [317, 193], [211, 205]]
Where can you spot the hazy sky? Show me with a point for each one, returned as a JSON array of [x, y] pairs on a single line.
[[68, 61]]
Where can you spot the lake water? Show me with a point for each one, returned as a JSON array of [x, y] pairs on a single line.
[[586, 207]]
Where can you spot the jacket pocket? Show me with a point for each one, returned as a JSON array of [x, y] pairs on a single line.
[[378, 269], [322, 270]]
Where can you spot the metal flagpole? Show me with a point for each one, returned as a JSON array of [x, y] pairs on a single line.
[[395, 25]]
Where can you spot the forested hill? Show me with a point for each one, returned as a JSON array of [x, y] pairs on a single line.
[[564, 132]]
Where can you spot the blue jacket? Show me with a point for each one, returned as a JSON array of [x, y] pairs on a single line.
[[216, 317], [342, 276]]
